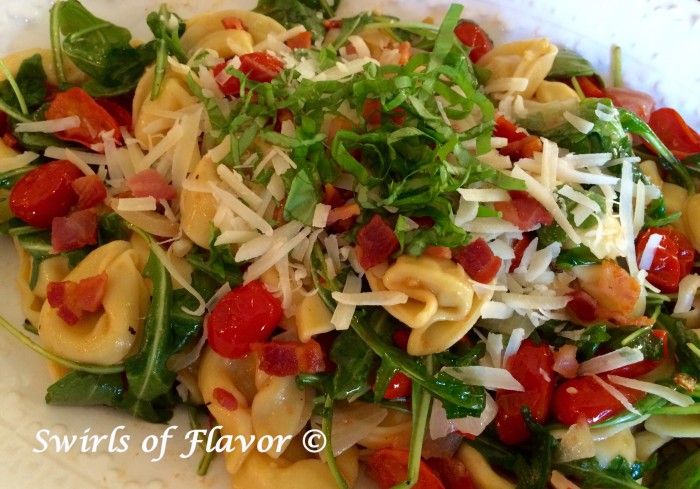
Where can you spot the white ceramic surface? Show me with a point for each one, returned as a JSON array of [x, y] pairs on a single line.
[[660, 40]]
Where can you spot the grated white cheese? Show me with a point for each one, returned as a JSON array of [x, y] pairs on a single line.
[[579, 198], [610, 361], [490, 225], [241, 210], [135, 204], [54, 125], [342, 316], [671, 395], [320, 215], [77, 161], [380, 298], [18, 161], [649, 252], [494, 347], [626, 211], [529, 302], [271, 257], [236, 237], [687, 292], [344, 69], [587, 160], [506, 84], [489, 377], [514, 342], [235, 182], [484, 194], [580, 124]]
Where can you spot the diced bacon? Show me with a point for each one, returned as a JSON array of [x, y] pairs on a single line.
[[478, 261], [331, 196], [522, 148], [72, 299], [376, 242], [404, 53], [283, 358], [283, 115], [232, 22], [438, 252], [74, 231], [343, 212], [91, 191], [372, 112], [523, 211], [565, 363], [300, 41], [227, 400], [150, 183]]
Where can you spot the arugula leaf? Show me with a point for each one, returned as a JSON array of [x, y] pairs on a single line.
[[167, 28], [569, 63], [591, 220], [618, 474], [102, 50], [218, 262], [655, 214], [290, 13], [551, 233], [682, 470], [86, 389], [112, 227], [31, 82], [684, 343], [576, 256], [302, 198]]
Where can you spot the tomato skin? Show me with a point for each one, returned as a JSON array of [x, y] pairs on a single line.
[[673, 259], [506, 129], [248, 314], [533, 366], [590, 86], [45, 193], [647, 365], [389, 466], [519, 249], [399, 387], [470, 34], [259, 67], [94, 119], [583, 399], [674, 132], [635, 101]]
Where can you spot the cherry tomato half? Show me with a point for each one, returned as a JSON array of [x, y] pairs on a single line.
[[259, 67], [674, 132], [470, 34], [248, 314], [673, 258], [584, 399], [399, 386], [533, 366], [389, 466], [45, 193]]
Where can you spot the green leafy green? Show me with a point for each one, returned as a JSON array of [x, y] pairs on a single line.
[[682, 470], [618, 474], [684, 342], [167, 28], [101, 49], [85, 389], [31, 83], [218, 262], [309, 13], [576, 256], [569, 63], [655, 214]]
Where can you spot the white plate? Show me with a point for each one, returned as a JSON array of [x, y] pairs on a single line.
[[659, 39]]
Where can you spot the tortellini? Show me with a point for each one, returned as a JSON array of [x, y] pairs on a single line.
[[266, 405], [687, 426], [73, 74], [442, 305], [198, 208], [312, 318], [52, 269], [108, 336], [529, 60], [206, 31]]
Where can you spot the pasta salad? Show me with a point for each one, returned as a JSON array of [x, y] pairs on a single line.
[[465, 265]]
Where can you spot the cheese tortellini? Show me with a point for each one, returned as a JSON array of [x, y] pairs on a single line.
[[198, 207], [442, 305], [107, 336]]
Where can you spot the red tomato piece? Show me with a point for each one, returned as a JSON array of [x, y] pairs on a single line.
[[506, 129], [91, 191], [674, 132], [533, 366], [74, 231], [229, 84], [300, 41], [261, 67], [583, 306], [584, 399], [640, 103], [400, 338], [94, 120], [519, 248], [284, 358], [376, 242], [478, 261], [473, 36], [246, 315], [590, 86], [673, 258], [438, 252], [121, 115], [45, 193], [522, 148], [399, 386], [451, 472], [389, 466], [232, 22], [647, 365]]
